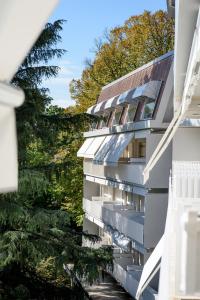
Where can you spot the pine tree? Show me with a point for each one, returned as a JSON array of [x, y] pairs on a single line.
[[37, 235]]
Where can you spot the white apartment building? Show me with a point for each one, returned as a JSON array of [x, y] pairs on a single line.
[[120, 207]]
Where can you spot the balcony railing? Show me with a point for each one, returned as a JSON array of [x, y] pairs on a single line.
[[125, 220], [105, 241], [130, 172], [94, 207], [129, 276], [121, 217]]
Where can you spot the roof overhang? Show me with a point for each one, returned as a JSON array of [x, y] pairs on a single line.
[[186, 19], [171, 8], [148, 90]]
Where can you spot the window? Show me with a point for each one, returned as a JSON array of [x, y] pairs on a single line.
[[135, 149], [129, 198], [93, 126], [118, 195], [104, 122], [131, 112], [128, 152], [138, 203], [106, 191], [138, 258], [147, 109], [117, 116], [141, 149]]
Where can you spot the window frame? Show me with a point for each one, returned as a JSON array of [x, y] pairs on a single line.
[[135, 114], [119, 109]]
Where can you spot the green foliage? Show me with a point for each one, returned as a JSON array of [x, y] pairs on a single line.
[[123, 49], [38, 232]]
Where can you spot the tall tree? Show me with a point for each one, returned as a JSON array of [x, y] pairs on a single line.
[[121, 50], [37, 235]]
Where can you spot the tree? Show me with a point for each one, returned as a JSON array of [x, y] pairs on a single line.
[[36, 234], [141, 39]]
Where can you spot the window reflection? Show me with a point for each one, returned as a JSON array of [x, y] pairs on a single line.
[[147, 109], [117, 116], [135, 149], [131, 112]]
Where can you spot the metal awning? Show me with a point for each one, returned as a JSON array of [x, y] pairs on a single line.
[[104, 105], [94, 146], [95, 109], [91, 109], [148, 90], [111, 103], [112, 148], [90, 147], [122, 140], [126, 97], [105, 147], [81, 152], [99, 107]]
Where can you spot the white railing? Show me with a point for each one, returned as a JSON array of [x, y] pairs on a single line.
[[181, 258], [101, 198], [125, 220], [105, 241], [132, 172], [128, 276], [94, 207]]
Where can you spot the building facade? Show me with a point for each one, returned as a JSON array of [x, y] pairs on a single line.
[[121, 207]]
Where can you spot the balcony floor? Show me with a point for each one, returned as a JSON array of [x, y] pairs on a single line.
[[108, 289]]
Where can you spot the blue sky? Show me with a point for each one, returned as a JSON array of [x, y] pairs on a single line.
[[86, 21]]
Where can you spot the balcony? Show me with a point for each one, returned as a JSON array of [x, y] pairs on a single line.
[[129, 276], [94, 207], [105, 241], [125, 220], [132, 172]]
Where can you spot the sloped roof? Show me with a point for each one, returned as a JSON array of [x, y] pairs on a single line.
[[155, 70]]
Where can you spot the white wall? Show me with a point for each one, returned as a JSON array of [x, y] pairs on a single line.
[[91, 169], [89, 226], [159, 175], [155, 216], [90, 189], [106, 191], [185, 137]]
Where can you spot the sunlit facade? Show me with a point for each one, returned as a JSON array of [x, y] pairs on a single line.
[[124, 210]]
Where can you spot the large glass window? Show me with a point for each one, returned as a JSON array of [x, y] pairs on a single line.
[[136, 201], [106, 191], [128, 198], [138, 258], [105, 120], [117, 116], [94, 125], [147, 109], [139, 203], [135, 149], [131, 112]]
